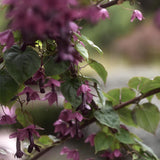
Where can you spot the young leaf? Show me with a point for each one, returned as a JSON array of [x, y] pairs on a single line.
[[124, 137], [8, 87], [85, 40], [82, 50], [69, 90], [102, 142], [21, 65], [147, 117], [99, 68], [45, 140], [107, 116], [54, 68]]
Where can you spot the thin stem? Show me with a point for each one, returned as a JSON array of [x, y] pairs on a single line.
[[111, 3]]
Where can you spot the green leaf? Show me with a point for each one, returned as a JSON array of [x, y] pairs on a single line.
[[85, 40], [52, 67], [125, 115], [113, 96], [21, 65], [137, 82], [107, 116], [82, 50], [147, 149], [8, 87], [99, 68], [147, 117], [125, 137], [23, 117], [102, 142], [45, 140], [116, 96], [69, 90]]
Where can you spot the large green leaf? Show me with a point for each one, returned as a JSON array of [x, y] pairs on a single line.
[[125, 115], [102, 141], [99, 68], [147, 117], [69, 90], [116, 96], [107, 116], [8, 87], [52, 67], [82, 50], [125, 137], [21, 65], [88, 42]]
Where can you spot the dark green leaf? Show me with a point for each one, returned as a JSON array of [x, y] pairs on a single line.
[[8, 88], [147, 117], [125, 137], [107, 116], [21, 65], [52, 67], [102, 142], [101, 71], [23, 117], [69, 90], [82, 50]]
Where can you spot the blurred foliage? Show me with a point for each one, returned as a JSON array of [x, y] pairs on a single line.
[[3, 21], [105, 32]]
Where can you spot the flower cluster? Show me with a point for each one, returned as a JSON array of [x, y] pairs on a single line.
[[26, 133], [68, 123]]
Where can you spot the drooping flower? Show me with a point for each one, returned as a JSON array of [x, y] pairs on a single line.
[[26, 133], [52, 96], [103, 14], [68, 123], [71, 154], [7, 39], [30, 94], [84, 91], [40, 77], [137, 14], [90, 139], [9, 116]]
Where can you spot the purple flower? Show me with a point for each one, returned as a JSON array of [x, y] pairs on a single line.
[[9, 116], [71, 154], [137, 14], [40, 77], [157, 19], [26, 133], [30, 94], [103, 14], [90, 139], [52, 96], [6, 38], [67, 124], [115, 154]]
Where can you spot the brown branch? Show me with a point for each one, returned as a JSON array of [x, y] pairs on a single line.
[[137, 99], [111, 3]]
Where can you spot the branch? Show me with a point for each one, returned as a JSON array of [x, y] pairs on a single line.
[[88, 122], [137, 99], [111, 3]]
